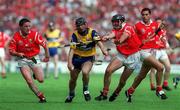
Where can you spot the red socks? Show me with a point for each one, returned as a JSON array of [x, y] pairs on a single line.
[[165, 83], [105, 91], [159, 88], [131, 90]]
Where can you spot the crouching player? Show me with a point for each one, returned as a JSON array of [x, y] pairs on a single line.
[[81, 57], [25, 45]]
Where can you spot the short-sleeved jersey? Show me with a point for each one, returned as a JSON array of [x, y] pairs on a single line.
[[29, 45], [52, 37], [85, 49], [144, 31], [131, 44], [3, 38]]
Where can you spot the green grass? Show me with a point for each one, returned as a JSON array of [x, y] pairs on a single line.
[[15, 95]]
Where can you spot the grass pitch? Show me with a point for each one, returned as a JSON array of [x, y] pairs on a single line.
[[15, 95]]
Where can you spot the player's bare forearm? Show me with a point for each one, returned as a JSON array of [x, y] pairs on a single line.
[[14, 53], [101, 46], [122, 39], [70, 65], [109, 36], [46, 51], [70, 56]]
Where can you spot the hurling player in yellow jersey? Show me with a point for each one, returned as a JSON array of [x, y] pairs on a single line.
[[81, 56], [54, 38]]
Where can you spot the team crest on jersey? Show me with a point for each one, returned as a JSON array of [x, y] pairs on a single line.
[[143, 30], [20, 42]]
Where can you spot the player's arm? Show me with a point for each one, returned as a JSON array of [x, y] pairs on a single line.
[[41, 41], [101, 46], [70, 57], [97, 39], [60, 38], [12, 49], [122, 39], [7, 41], [108, 36], [46, 50]]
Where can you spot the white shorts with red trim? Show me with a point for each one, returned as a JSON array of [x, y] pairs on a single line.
[[130, 61]]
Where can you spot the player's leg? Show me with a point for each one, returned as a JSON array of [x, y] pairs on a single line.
[[26, 72], [86, 68], [125, 75], [46, 72], [142, 74], [152, 78], [130, 63], [56, 60], [38, 72], [112, 67], [3, 69], [154, 63], [165, 61], [72, 85], [148, 63], [77, 62], [2, 61], [175, 81]]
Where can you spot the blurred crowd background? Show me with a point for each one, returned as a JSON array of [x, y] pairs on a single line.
[[97, 12]]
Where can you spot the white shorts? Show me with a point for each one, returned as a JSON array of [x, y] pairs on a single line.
[[130, 61], [160, 54], [144, 53], [27, 62], [2, 52]]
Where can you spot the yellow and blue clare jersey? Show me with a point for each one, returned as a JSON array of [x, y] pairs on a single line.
[[86, 47], [52, 37]]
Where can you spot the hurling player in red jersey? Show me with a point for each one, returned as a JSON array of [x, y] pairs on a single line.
[[162, 56], [146, 30], [25, 45], [127, 45], [4, 39]]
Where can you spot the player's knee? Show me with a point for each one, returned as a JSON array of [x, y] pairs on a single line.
[[160, 69], [73, 79], [168, 69]]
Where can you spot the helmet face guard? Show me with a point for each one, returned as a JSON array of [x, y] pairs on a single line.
[[81, 25], [116, 24], [117, 21]]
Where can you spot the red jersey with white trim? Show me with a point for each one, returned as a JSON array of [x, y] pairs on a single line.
[[162, 40], [29, 45], [131, 44], [3, 38], [145, 31]]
